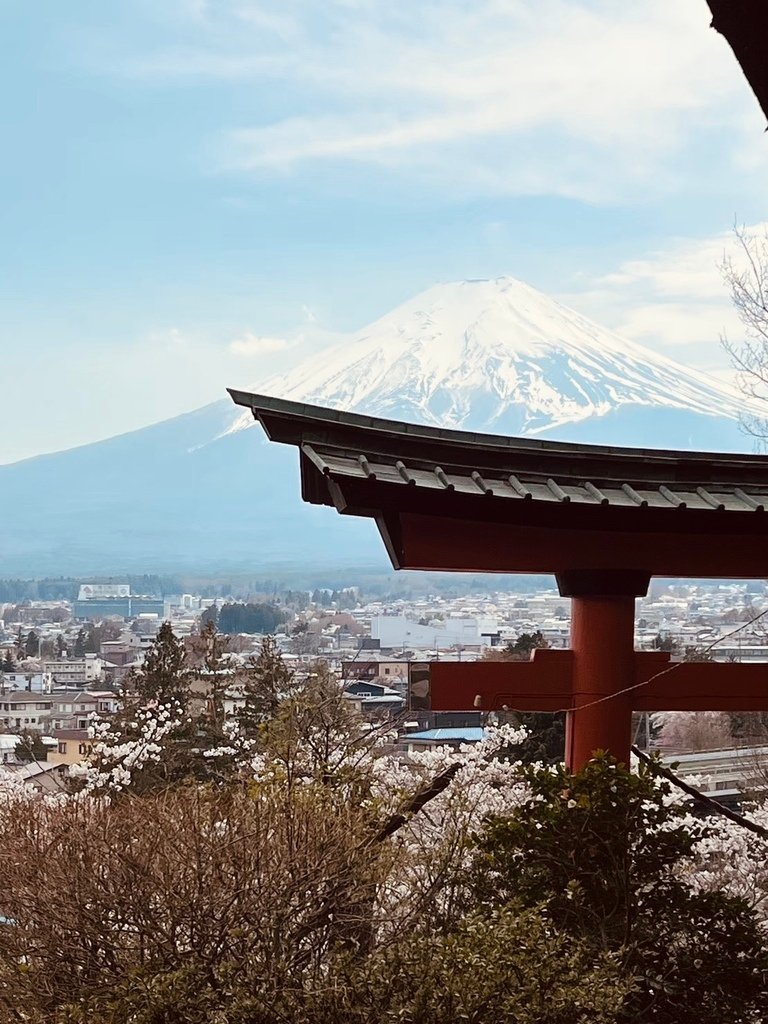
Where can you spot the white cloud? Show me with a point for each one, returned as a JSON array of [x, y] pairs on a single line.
[[585, 98], [171, 339], [256, 345], [674, 298]]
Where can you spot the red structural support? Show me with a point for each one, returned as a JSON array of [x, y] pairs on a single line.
[[602, 640], [587, 683]]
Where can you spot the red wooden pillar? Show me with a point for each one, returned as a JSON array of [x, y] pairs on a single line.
[[603, 645]]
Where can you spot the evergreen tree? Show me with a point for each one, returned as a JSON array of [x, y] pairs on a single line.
[[216, 678], [80, 643], [32, 644], [31, 747], [526, 643], [265, 683], [158, 690], [664, 642], [546, 732], [164, 676], [92, 640], [9, 665], [210, 614], [21, 644], [250, 618], [599, 850], [60, 649]]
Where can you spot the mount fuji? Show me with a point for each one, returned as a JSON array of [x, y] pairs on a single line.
[[500, 357], [204, 492]]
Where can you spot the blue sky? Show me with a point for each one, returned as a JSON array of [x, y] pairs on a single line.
[[195, 193]]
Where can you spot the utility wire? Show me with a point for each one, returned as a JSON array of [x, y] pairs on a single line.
[[664, 672]]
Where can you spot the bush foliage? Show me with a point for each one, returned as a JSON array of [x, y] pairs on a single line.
[[294, 874]]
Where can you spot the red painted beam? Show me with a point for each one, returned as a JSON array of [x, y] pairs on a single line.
[[542, 684], [699, 686], [546, 684], [436, 543]]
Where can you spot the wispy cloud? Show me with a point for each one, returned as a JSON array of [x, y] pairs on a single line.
[[256, 345], [576, 97], [672, 298]]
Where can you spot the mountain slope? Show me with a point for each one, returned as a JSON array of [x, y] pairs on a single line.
[[501, 357], [170, 497], [200, 492]]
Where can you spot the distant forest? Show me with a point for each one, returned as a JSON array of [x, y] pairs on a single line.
[[343, 591], [245, 618], [64, 588]]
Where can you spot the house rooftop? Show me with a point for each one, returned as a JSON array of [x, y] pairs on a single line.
[[470, 734]]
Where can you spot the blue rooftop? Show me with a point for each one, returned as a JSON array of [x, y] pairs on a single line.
[[470, 734]]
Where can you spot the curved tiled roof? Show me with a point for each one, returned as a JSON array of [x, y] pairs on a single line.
[[542, 493], [346, 445]]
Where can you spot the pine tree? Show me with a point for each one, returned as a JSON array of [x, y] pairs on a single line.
[[32, 644], [213, 649], [164, 676], [31, 747], [546, 732], [525, 644], [162, 680], [267, 681], [602, 851], [210, 614], [80, 643], [92, 640], [9, 665]]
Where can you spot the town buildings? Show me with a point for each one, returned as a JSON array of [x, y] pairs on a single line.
[[379, 646]]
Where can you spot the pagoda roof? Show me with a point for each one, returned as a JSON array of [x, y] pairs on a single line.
[[518, 504]]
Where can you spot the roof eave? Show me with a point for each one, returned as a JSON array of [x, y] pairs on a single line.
[[297, 422]]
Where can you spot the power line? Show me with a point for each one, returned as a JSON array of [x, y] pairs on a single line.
[[664, 672]]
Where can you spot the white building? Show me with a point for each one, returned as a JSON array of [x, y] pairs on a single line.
[[399, 631], [74, 671], [25, 710], [8, 744]]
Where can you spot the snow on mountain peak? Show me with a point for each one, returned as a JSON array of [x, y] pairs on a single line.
[[499, 356]]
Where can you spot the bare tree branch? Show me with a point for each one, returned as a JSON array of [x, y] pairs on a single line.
[[700, 798], [413, 805]]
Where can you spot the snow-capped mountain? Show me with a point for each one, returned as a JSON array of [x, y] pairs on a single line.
[[200, 492], [500, 357]]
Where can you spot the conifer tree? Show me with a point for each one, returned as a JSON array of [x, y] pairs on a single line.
[[80, 643], [31, 747], [267, 681], [601, 850], [210, 614], [164, 675], [154, 696], [32, 644], [216, 678], [546, 732]]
